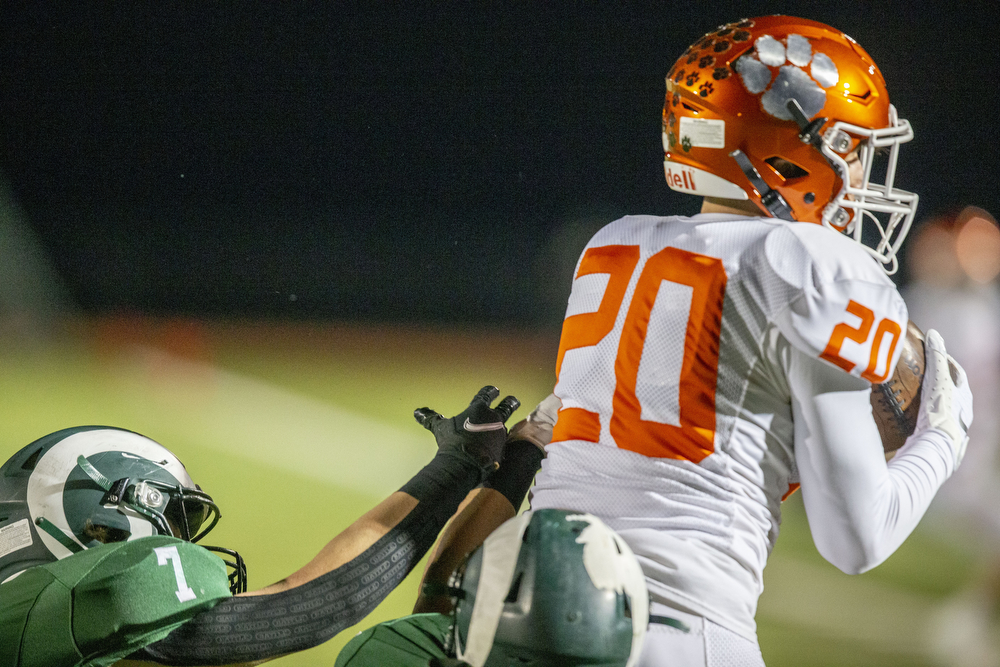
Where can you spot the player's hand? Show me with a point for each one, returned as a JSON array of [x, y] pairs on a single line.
[[946, 403], [537, 427], [478, 432]]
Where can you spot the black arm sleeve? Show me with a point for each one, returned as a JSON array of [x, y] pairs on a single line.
[[244, 629], [521, 460]]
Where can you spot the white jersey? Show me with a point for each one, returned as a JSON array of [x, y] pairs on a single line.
[[690, 350]]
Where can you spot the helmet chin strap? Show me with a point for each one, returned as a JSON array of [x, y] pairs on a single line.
[[58, 534], [809, 132], [771, 199]]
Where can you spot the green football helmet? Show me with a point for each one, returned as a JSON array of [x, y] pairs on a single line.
[[80, 487], [550, 588]]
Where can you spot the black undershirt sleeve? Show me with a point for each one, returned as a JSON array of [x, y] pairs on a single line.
[[521, 460], [244, 629]]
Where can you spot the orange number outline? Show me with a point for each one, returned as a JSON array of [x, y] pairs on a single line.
[[694, 439], [843, 330], [859, 335], [586, 329]]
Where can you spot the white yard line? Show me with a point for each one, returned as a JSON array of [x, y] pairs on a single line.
[[248, 417]]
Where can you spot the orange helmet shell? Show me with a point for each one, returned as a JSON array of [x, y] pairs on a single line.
[[728, 91]]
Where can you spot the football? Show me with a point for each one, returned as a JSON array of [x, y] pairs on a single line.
[[895, 402]]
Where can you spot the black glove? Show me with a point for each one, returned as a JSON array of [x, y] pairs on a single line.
[[478, 432]]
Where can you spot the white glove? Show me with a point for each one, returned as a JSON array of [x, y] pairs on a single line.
[[945, 405], [536, 428]]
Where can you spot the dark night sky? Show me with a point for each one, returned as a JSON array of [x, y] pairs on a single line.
[[331, 160]]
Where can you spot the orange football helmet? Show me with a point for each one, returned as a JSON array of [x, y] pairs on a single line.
[[789, 114]]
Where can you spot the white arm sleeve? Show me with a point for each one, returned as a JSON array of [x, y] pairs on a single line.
[[859, 508]]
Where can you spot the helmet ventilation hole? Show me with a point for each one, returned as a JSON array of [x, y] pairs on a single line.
[[809, 197], [105, 534], [515, 588], [32, 460], [787, 170]]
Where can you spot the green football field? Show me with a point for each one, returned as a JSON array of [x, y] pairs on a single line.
[[297, 429]]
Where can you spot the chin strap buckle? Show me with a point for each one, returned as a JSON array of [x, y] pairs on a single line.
[[771, 199], [116, 493], [809, 131]]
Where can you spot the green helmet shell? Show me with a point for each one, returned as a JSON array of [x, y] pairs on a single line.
[[80, 486], [551, 588]]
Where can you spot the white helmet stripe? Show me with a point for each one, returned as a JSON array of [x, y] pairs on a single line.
[[500, 551], [48, 480]]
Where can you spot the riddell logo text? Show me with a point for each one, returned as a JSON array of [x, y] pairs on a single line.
[[681, 178]]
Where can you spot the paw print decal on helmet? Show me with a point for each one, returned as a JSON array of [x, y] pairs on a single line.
[[802, 75]]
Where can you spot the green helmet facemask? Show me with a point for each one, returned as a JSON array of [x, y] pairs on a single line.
[[80, 487]]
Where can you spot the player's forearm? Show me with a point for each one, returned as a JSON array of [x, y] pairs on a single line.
[[861, 532], [351, 543], [482, 512], [859, 509], [286, 619], [917, 471], [440, 485]]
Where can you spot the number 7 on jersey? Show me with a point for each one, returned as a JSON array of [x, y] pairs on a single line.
[[170, 554]]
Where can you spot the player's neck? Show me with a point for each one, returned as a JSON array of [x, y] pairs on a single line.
[[731, 206]]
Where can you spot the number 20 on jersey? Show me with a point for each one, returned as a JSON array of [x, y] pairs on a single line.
[[694, 437]]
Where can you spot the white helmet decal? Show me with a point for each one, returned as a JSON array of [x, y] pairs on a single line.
[[500, 551], [612, 566], [48, 479], [792, 80]]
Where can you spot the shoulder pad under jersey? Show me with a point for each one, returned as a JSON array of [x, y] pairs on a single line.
[[99, 605], [842, 307], [145, 589]]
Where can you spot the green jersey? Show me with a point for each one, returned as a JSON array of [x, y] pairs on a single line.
[[98, 606], [411, 641]]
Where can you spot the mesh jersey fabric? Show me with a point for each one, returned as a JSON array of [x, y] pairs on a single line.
[[703, 521], [687, 640], [410, 641], [724, 648], [97, 606]]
